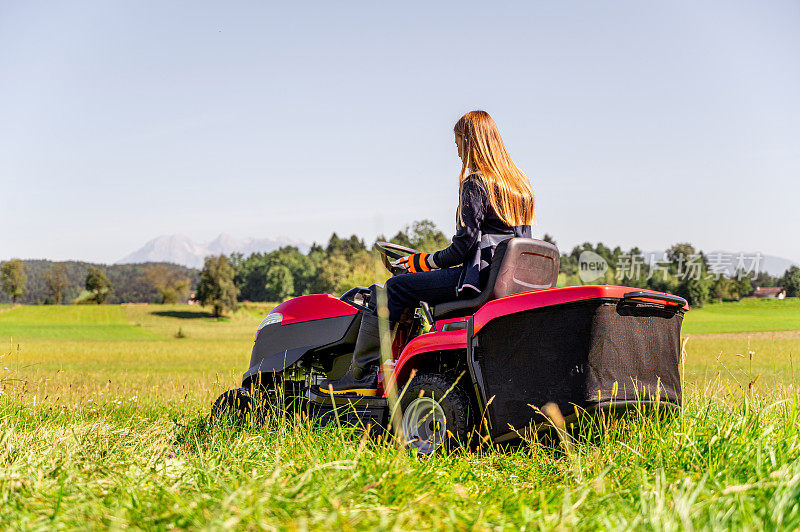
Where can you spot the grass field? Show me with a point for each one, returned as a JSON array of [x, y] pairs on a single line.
[[748, 315], [103, 424]]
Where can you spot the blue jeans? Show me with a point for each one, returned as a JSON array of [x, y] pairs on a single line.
[[407, 290]]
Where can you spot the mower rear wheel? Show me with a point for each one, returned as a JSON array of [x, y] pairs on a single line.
[[436, 412], [234, 407]]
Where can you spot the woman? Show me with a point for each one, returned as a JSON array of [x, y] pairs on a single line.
[[495, 203]]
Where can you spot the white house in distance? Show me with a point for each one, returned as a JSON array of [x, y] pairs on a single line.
[[771, 292]]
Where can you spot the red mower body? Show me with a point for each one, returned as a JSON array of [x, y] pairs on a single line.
[[518, 346], [442, 340], [313, 307]]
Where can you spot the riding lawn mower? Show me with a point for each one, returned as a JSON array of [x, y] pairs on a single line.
[[488, 365]]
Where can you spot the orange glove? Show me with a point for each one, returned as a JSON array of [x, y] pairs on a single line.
[[418, 262]]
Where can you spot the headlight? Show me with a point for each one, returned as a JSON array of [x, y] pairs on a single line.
[[273, 317]]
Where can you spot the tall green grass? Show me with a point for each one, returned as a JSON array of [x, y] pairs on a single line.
[[723, 463], [114, 433]]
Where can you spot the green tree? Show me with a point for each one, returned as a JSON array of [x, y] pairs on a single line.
[[721, 288], [401, 238], [791, 281], [170, 284], [301, 266], [280, 283], [335, 244], [13, 278], [680, 251], [744, 287], [422, 235], [364, 269], [57, 281], [216, 288], [251, 273], [354, 245], [332, 271], [695, 290], [741, 285], [765, 279], [425, 236], [98, 285], [347, 247]]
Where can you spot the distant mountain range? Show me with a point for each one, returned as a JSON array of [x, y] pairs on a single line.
[[775, 266], [180, 249]]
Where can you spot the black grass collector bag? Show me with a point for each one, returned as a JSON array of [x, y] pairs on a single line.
[[581, 355]]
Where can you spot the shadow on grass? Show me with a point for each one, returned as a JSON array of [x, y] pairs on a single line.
[[183, 314]]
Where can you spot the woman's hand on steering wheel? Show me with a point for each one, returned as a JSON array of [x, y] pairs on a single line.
[[417, 262], [393, 256]]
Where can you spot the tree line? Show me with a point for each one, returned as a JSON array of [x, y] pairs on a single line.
[[333, 268], [683, 271], [337, 266], [345, 263], [46, 282]]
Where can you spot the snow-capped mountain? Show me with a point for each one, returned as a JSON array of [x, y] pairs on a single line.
[[180, 249]]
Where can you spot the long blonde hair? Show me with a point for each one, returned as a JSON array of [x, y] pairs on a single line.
[[509, 189]]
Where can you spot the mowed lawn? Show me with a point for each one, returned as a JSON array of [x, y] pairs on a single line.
[[129, 349], [747, 315], [103, 423], [96, 322]]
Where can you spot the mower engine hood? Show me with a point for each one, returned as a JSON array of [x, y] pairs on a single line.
[[296, 327]]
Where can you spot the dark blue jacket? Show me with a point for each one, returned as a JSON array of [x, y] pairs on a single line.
[[476, 239]]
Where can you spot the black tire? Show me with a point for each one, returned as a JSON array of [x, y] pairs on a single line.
[[454, 403], [234, 407]]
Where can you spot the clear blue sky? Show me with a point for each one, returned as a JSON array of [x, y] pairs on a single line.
[[638, 123]]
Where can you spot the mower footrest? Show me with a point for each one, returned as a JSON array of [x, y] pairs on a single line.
[[349, 409]]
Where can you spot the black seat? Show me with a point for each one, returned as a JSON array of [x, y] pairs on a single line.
[[519, 265]]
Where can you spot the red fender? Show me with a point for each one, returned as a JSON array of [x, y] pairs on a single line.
[[553, 296], [425, 343], [313, 307]]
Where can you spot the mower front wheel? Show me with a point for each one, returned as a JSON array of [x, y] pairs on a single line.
[[436, 411], [234, 407]]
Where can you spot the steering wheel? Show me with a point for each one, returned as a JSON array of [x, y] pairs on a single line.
[[394, 252]]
